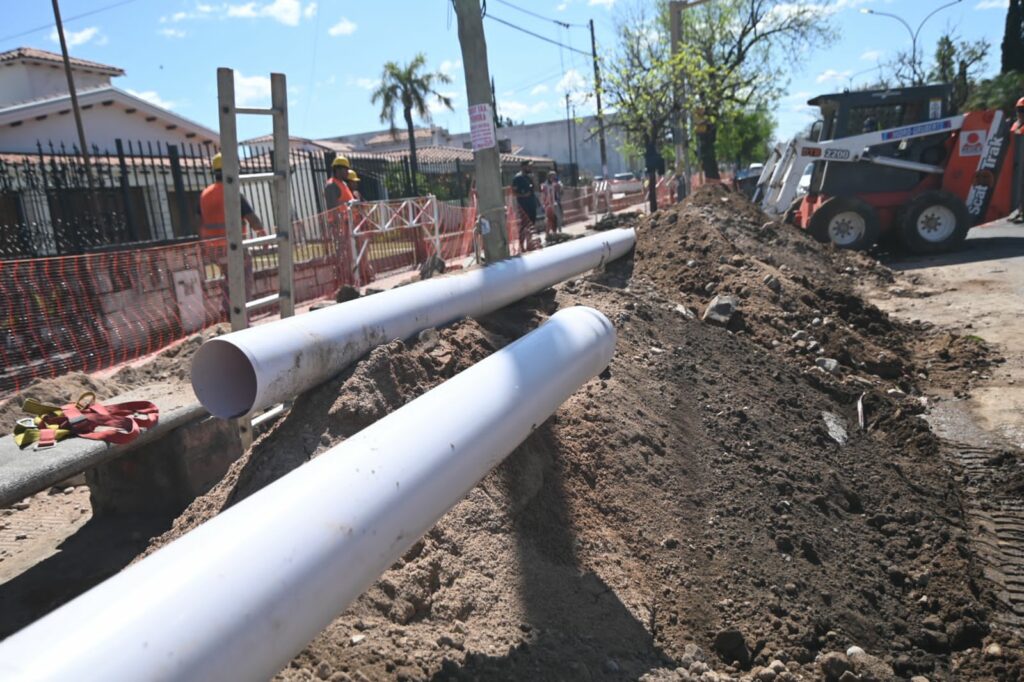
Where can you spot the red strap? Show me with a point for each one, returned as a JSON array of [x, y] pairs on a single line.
[[119, 423], [47, 438]]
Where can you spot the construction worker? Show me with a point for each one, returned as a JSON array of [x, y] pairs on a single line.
[[522, 185], [1018, 125], [336, 192], [353, 184], [213, 230], [1018, 129], [211, 208]]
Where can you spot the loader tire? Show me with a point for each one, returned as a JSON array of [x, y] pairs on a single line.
[[934, 222], [847, 222]]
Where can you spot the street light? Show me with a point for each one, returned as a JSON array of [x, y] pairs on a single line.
[[913, 33]]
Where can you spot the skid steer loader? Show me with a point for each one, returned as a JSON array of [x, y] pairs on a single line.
[[894, 160]]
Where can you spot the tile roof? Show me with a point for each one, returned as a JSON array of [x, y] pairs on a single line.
[[402, 136], [35, 54]]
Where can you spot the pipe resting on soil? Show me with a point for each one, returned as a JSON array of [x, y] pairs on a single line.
[[239, 596], [239, 373]]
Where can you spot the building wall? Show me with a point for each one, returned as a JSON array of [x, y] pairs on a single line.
[[103, 125], [551, 139], [24, 82]]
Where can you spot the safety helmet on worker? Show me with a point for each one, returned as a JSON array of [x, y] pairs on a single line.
[[340, 161], [1020, 104], [217, 163], [353, 177]]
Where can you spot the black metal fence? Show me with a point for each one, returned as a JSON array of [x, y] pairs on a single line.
[[148, 192]]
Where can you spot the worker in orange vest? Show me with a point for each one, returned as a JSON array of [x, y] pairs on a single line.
[[1018, 129], [211, 207], [336, 191]]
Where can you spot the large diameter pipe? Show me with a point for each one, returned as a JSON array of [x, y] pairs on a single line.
[[239, 596], [239, 373]]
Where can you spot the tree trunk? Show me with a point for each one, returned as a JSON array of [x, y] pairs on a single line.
[[652, 189], [708, 159], [412, 151]]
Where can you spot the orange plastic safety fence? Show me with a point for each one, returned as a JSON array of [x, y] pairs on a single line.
[[90, 312]]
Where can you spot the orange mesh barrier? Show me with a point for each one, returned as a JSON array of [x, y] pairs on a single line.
[[89, 312]]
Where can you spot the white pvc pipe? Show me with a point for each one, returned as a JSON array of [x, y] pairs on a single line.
[[238, 597], [247, 370]]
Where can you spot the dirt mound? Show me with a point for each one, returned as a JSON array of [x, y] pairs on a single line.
[[792, 294], [713, 504]]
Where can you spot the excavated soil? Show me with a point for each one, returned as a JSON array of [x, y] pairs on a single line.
[[711, 508]]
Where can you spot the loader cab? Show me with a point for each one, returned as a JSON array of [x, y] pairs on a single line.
[[847, 114]]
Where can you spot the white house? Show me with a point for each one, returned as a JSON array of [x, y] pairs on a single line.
[[35, 106]]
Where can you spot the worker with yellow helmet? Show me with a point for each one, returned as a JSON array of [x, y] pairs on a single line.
[[353, 184], [337, 192], [211, 207]]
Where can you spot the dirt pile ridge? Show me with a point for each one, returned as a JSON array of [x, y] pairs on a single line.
[[711, 510]]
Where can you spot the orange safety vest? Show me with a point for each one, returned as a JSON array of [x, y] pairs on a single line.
[[211, 206], [1017, 128], [346, 193]]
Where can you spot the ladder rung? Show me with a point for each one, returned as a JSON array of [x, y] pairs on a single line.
[[254, 110], [263, 302], [258, 241], [254, 177]]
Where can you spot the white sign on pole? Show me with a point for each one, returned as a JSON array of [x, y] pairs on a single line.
[[481, 126]]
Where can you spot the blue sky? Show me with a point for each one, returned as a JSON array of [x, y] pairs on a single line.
[[332, 51]]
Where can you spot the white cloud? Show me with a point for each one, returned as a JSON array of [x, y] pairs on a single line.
[[561, 7], [310, 11], [364, 83], [539, 89], [287, 12], [172, 32], [832, 75], [872, 55], [448, 66], [251, 90], [510, 107], [76, 38], [571, 81], [992, 4], [342, 28], [607, 4], [152, 97]]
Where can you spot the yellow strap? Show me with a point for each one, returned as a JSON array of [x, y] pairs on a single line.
[[27, 435], [33, 406]]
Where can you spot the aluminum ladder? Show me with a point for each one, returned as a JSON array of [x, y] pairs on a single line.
[[237, 245]]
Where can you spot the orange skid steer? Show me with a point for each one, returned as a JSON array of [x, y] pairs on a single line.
[[880, 161]]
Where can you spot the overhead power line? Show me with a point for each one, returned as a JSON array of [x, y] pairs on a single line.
[[563, 24], [536, 35], [67, 19]]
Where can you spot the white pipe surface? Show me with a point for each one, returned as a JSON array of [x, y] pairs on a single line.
[[238, 373], [238, 597]]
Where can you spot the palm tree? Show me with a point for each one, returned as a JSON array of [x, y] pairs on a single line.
[[407, 86]]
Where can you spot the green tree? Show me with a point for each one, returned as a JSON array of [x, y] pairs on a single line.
[[735, 56], [1013, 39], [955, 63], [410, 88], [1000, 92], [745, 136], [638, 85]]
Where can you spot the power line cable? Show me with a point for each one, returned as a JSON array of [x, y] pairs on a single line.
[[563, 24], [535, 35], [67, 19]]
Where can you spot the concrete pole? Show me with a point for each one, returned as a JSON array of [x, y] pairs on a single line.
[[487, 161]]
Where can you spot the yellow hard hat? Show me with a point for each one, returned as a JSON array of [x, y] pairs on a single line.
[[217, 162], [340, 161], [353, 177]]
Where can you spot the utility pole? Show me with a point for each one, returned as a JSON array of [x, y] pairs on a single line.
[[568, 128], [597, 92], [680, 122], [486, 159], [74, 95]]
